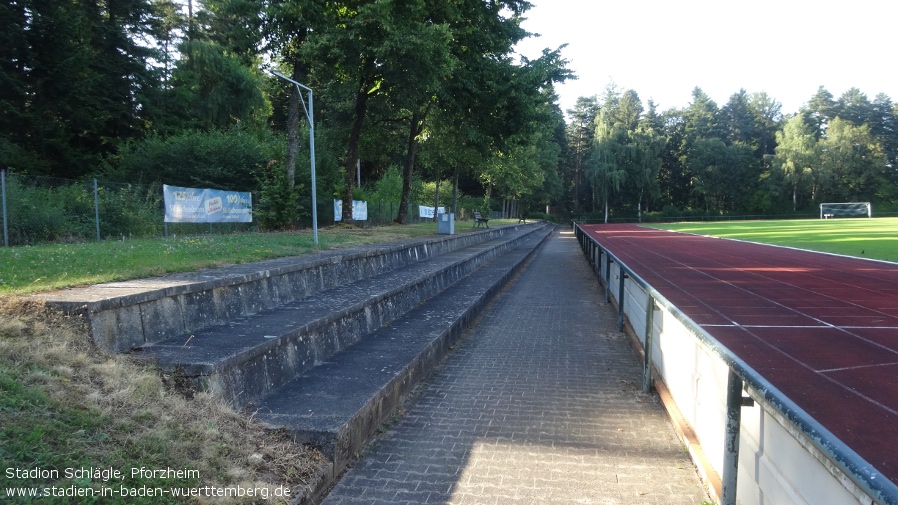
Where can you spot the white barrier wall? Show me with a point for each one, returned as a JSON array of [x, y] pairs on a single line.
[[777, 464]]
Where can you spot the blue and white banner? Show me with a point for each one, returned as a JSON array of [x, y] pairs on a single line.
[[359, 210], [424, 211], [190, 205]]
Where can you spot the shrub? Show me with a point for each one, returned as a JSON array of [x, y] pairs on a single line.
[[277, 208]]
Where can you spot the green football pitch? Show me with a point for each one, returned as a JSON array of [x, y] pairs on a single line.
[[875, 238]]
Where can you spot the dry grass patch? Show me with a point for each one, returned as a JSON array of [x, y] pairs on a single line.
[[66, 404]]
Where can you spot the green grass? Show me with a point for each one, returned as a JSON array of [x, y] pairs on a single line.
[[31, 269], [39, 431], [861, 237], [64, 404]]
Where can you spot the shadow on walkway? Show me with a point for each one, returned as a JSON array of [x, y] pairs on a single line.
[[539, 404]]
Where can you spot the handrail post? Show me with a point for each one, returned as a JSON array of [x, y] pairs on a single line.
[[620, 298], [731, 442], [649, 343], [607, 278], [845, 459]]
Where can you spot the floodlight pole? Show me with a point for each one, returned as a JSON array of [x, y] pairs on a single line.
[[310, 113]]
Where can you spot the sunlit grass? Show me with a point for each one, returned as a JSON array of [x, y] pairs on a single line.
[[30, 269], [861, 237]]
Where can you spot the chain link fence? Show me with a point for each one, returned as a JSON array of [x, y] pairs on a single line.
[[39, 209]]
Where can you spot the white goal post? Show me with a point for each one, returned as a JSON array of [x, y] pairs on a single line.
[[854, 209]]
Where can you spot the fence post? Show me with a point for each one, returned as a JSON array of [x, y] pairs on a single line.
[[607, 278], [649, 343], [620, 298], [3, 191], [731, 443], [97, 209]]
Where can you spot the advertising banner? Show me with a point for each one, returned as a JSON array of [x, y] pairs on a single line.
[[190, 205], [359, 210], [425, 211]]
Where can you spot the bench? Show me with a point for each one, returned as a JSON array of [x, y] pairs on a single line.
[[479, 219]]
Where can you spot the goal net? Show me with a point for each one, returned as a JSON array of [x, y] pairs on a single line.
[[849, 209]]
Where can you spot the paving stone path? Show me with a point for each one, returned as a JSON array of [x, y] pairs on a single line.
[[540, 403]]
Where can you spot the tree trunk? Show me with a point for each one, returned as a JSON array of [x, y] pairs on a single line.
[[292, 137], [593, 197], [352, 155], [455, 191], [606, 209], [639, 206], [416, 125], [436, 199], [190, 27]]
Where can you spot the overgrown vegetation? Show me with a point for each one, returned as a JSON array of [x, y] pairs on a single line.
[[407, 92], [182, 93], [41, 210], [64, 404]]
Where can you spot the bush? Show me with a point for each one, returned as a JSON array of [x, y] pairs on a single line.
[[46, 210], [277, 208], [198, 159], [388, 188], [130, 210]]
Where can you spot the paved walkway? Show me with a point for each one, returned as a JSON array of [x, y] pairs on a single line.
[[540, 403]]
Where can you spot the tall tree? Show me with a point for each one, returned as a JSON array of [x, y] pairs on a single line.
[[796, 155], [854, 106], [736, 119], [285, 29], [884, 126], [580, 135], [481, 89], [237, 26], [722, 173], [84, 72], [701, 118], [768, 118], [852, 162], [374, 46], [213, 89], [15, 57], [701, 122], [647, 145], [608, 164], [170, 27], [821, 109], [674, 178]]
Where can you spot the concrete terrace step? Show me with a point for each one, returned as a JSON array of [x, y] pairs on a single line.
[[125, 315], [252, 355], [340, 404]]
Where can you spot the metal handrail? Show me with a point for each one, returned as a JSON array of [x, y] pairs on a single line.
[[854, 466]]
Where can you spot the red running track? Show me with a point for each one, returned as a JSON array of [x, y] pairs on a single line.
[[823, 329]]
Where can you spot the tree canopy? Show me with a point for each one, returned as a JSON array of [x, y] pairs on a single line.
[[181, 91]]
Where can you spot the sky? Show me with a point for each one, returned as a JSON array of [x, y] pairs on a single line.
[[664, 49]]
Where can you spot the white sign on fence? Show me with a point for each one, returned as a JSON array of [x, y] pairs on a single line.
[[191, 205], [359, 210], [425, 211]]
